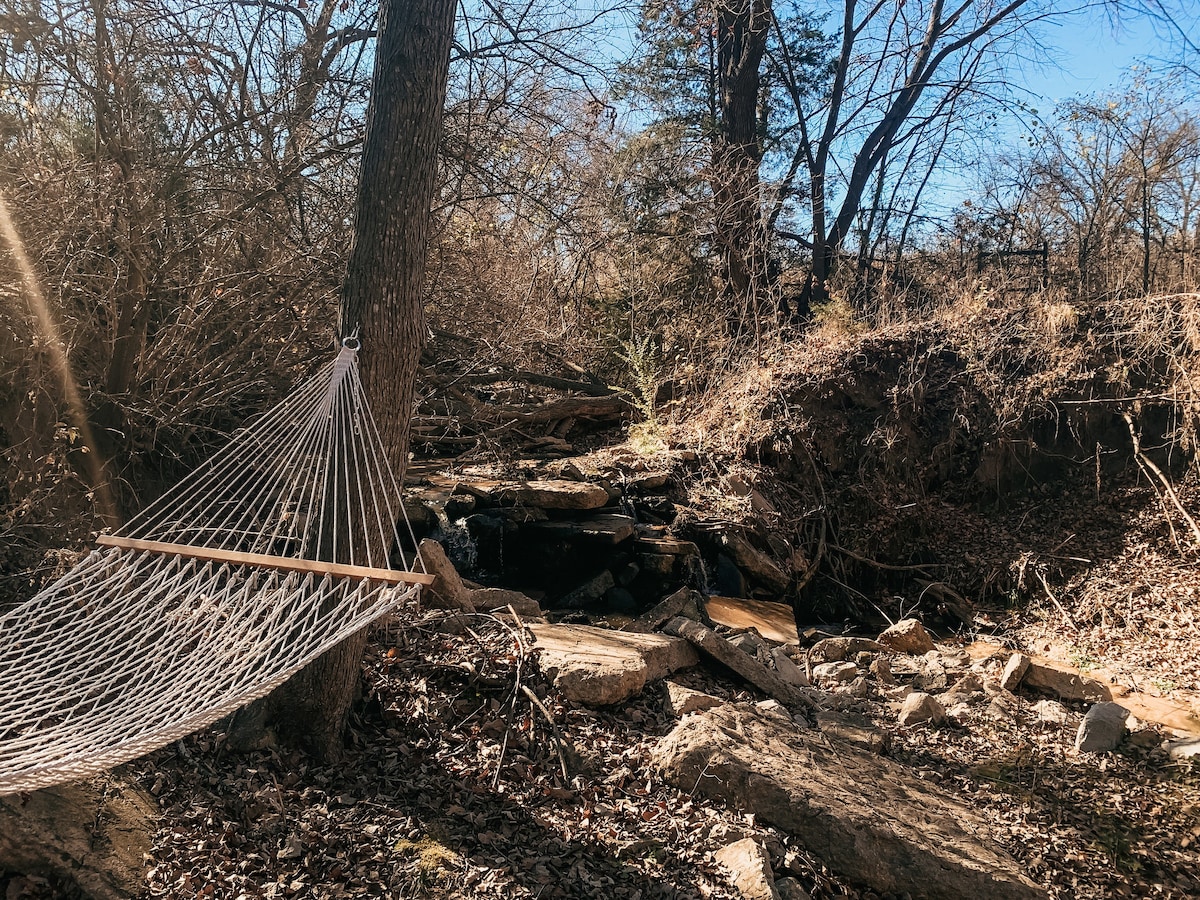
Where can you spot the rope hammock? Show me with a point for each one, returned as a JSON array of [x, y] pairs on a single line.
[[272, 552]]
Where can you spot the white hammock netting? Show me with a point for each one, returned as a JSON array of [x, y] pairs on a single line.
[[269, 554]]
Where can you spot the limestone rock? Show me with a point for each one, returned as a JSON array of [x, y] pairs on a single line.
[[756, 564], [1064, 682], [550, 494], [1185, 749], [837, 649], [682, 700], [651, 481], [966, 689], [921, 707], [932, 675], [749, 869], [447, 590], [1014, 670], [94, 834], [837, 672], [907, 636], [590, 592], [684, 602], [1103, 728], [959, 713], [790, 889], [862, 814], [600, 530], [490, 599], [751, 643], [788, 670], [774, 621], [663, 546], [713, 645], [852, 728], [1004, 706], [598, 667], [968, 684], [774, 708], [859, 687], [1051, 712]]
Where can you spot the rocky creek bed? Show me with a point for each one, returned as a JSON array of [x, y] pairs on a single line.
[[710, 747], [674, 674]]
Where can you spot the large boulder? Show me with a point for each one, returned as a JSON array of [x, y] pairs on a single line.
[[864, 815], [598, 667]]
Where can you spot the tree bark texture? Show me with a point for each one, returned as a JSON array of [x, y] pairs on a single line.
[[381, 298], [742, 30]]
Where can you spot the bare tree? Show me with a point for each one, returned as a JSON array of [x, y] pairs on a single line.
[[1110, 180], [181, 209], [900, 70]]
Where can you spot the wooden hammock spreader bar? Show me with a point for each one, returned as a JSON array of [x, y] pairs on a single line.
[[283, 563]]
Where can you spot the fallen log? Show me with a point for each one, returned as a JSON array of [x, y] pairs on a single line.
[[577, 407], [590, 388]]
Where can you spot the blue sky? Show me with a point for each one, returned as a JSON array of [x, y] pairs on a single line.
[[1086, 53], [1092, 53]]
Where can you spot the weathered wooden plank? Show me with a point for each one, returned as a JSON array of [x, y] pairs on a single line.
[[282, 563]]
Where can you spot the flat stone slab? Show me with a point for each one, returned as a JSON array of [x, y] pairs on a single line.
[[546, 494], [864, 815], [551, 494], [598, 667], [602, 529], [1064, 681], [774, 621], [666, 546]]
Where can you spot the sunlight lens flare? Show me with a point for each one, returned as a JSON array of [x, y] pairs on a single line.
[[53, 343]]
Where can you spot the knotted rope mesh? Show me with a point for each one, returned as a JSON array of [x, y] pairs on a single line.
[[266, 556]]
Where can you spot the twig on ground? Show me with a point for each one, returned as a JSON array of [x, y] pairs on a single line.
[[1062, 609], [1148, 465], [559, 740]]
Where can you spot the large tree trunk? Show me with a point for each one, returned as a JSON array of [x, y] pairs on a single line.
[[381, 298], [742, 28]]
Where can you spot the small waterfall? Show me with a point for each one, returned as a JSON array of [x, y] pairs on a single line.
[[456, 538]]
